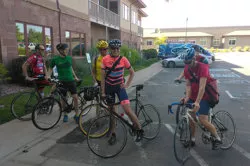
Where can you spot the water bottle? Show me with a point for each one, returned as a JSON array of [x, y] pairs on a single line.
[[125, 116]]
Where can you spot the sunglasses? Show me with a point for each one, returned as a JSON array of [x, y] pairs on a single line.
[[115, 48], [103, 49], [41, 49]]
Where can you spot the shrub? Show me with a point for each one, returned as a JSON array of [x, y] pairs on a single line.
[[246, 48], [21, 51], [238, 48], [149, 53], [3, 73], [230, 49], [16, 70]]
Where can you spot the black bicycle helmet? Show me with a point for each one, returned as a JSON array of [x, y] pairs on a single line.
[[115, 43], [61, 46]]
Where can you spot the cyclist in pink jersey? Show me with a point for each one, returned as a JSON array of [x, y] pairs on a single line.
[[113, 84]]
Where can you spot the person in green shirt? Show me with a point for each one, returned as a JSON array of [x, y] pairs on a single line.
[[66, 75]]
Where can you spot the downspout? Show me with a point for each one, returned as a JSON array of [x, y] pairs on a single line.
[[59, 19]]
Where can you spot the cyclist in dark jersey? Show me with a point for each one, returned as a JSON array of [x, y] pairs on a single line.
[[113, 84]]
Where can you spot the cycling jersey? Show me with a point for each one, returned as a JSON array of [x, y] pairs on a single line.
[[200, 70], [37, 65], [97, 67], [116, 76], [64, 67]]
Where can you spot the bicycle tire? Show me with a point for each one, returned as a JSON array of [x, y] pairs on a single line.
[[100, 146], [221, 127], [45, 107], [85, 119], [184, 142], [26, 99], [145, 118]]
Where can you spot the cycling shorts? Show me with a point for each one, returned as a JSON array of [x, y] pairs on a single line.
[[112, 90], [204, 107], [69, 86]]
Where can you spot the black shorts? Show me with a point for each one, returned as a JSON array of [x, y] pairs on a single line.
[[69, 86]]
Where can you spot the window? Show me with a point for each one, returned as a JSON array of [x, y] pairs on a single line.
[[232, 42], [216, 42], [181, 40], [203, 41], [29, 35], [76, 42], [125, 12], [134, 19], [149, 43]]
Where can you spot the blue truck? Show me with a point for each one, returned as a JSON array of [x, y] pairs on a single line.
[[171, 50]]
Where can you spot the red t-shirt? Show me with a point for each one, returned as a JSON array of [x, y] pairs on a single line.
[[200, 70], [37, 65], [116, 76]]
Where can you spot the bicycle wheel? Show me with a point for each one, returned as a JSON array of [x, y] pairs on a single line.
[[82, 103], [102, 146], [22, 105], [46, 113], [88, 115], [182, 138], [225, 126], [150, 121]]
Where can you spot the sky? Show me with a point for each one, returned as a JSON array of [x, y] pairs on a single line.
[[200, 13]]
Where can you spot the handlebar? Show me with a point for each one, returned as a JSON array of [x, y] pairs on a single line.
[[189, 105], [179, 81]]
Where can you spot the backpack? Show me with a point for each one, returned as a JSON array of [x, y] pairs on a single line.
[[211, 89]]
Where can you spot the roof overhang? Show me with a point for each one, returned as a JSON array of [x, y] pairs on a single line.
[[139, 3], [239, 33], [142, 13]]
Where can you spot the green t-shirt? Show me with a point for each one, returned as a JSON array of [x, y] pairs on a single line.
[[64, 67]]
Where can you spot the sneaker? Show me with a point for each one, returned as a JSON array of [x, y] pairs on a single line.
[[139, 135], [65, 118], [216, 144], [76, 117], [112, 139]]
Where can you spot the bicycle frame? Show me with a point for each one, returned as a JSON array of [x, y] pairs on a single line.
[[110, 108], [189, 117]]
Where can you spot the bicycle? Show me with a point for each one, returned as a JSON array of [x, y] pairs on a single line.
[[49, 109], [23, 103], [99, 131], [183, 132]]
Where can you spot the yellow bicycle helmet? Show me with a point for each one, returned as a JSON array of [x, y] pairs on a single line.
[[102, 44]]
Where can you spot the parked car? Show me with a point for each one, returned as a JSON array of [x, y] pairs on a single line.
[[177, 61], [31, 46]]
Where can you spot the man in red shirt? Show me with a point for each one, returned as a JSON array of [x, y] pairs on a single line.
[[195, 93], [36, 62]]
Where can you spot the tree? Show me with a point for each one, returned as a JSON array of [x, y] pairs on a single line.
[[35, 37], [19, 35], [160, 40]]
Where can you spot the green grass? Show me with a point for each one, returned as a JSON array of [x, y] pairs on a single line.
[[5, 114]]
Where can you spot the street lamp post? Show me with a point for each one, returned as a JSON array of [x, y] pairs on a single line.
[[186, 30]]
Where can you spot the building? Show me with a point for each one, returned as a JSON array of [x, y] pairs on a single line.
[[80, 23], [217, 37]]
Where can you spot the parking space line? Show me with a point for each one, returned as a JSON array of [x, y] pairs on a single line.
[[193, 153], [242, 151], [230, 95]]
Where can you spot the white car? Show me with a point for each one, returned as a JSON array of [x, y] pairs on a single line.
[[31, 46]]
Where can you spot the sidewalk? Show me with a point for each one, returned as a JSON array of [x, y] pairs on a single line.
[[21, 143]]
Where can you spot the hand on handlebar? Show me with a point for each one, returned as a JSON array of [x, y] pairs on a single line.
[[184, 100]]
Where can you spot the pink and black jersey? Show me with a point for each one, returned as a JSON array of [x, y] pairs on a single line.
[[116, 76], [37, 65]]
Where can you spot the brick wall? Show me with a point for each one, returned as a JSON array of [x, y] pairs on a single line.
[[19, 10]]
